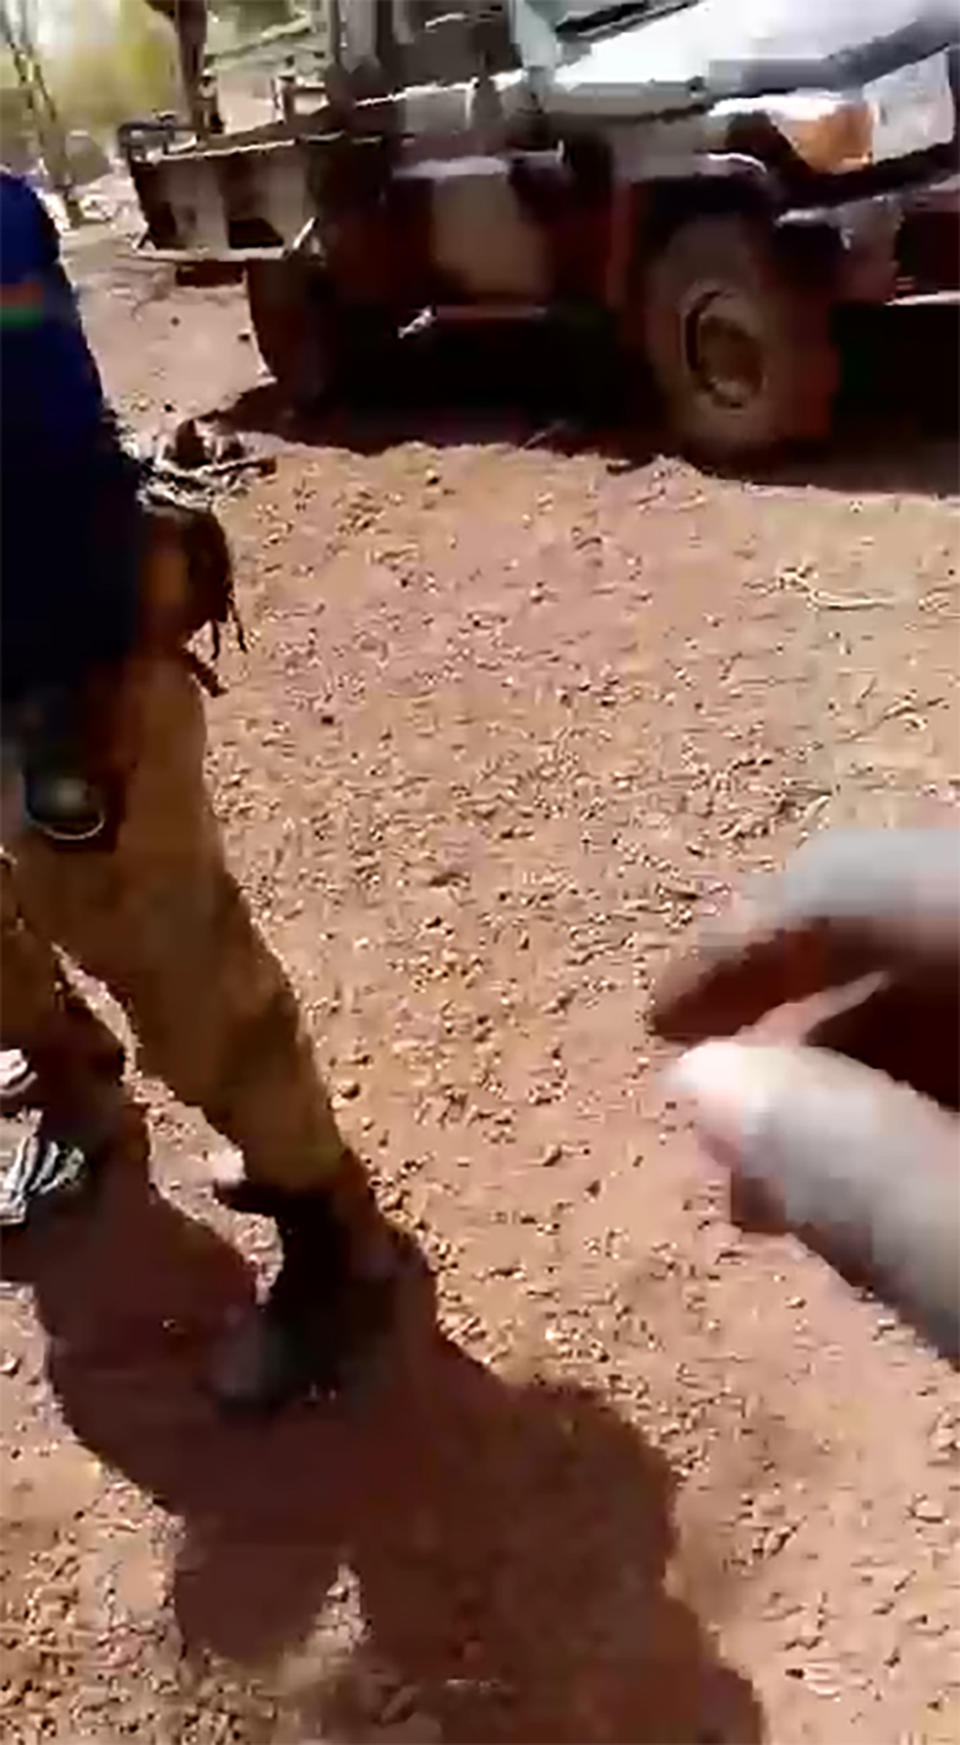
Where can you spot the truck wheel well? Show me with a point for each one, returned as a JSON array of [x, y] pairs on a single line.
[[665, 206], [811, 252]]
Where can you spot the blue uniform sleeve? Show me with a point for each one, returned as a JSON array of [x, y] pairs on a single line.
[[29, 244], [51, 385], [68, 529]]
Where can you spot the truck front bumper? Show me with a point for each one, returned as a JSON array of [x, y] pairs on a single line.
[[903, 242]]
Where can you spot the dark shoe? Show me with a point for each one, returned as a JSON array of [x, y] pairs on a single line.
[[329, 1305], [261, 1366]]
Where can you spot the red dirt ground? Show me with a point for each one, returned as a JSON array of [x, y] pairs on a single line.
[[523, 699]]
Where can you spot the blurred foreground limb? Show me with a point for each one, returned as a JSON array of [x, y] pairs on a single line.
[[843, 1128]]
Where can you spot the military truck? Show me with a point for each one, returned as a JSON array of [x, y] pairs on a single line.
[[714, 180]]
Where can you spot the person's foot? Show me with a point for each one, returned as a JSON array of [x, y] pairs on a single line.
[[45, 1172], [54, 1165], [18, 1082], [328, 1308], [261, 1366]]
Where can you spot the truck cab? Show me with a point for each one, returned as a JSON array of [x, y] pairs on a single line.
[[713, 181]]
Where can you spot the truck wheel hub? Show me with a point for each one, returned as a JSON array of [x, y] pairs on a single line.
[[725, 349]]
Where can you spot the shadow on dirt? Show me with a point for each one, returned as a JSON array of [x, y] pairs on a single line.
[[508, 1544], [896, 424]]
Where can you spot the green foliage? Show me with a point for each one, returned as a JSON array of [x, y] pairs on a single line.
[[111, 60], [120, 61]]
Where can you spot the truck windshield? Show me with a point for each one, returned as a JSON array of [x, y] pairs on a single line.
[[578, 18]]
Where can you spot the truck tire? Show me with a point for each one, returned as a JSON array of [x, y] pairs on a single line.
[[293, 319], [314, 346], [740, 350]]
